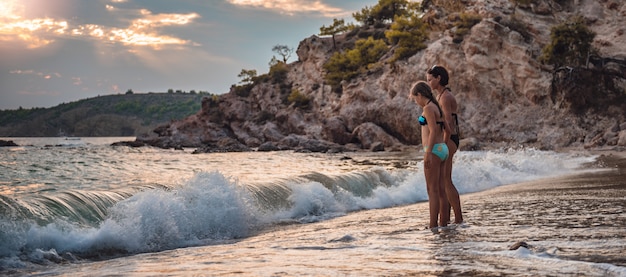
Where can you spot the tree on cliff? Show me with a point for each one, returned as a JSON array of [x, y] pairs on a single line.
[[283, 50], [339, 26], [383, 12], [247, 76]]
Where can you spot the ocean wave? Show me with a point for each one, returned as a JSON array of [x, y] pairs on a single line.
[[214, 208]]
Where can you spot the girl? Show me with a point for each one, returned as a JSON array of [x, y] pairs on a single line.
[[435, 148]]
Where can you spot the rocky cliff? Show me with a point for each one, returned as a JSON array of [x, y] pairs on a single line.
[[506, 95]]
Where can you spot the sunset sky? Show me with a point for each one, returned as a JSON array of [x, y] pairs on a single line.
[[59, 51]]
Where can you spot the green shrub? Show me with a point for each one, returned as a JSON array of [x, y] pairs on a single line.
[[278, 72], [465, 24], [298, 98], [242, 90], [409, 34], [349, 64], [570, 44]]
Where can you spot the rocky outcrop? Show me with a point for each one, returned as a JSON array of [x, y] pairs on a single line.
[[7, 143], [505, 94]]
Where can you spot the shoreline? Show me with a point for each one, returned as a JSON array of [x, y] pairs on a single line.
[[564, 225], [567, 224], [468, 144]]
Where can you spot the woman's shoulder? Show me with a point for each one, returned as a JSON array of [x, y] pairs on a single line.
[[448, 94], [447, 98], [430, 107]]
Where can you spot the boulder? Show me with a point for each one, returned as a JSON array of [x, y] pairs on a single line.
[[134, 143], [7, 143], [377, 147], [268, 146], [369, 133], [622, 138], [335, 130], [223, 145], [469, 144], [314, 145]]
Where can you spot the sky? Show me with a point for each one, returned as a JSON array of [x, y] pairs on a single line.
[[60, 51]]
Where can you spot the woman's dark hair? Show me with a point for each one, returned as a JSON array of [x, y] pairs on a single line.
[[439, 71], [424, 89]]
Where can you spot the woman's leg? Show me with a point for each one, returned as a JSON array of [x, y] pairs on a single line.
[[452, 194]]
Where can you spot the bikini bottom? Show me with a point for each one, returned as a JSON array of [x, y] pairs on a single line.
[[455, 139], [441, 150]]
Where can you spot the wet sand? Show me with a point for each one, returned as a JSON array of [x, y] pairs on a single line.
[[571, 226], [578, 218]]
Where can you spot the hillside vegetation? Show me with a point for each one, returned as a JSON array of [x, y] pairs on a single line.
[[110, 115]]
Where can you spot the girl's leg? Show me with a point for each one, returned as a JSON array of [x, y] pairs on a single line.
[[433, 188], [444, 205]]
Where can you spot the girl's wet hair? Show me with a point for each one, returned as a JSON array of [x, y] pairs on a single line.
[[424, 89], [439, 71]]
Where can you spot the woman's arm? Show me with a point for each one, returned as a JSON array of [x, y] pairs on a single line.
[[447, 117]]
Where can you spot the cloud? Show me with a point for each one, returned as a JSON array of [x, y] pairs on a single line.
[[292, 7], [77, 81], [144, 30], [34, 33], [9, 9], [35, 73]]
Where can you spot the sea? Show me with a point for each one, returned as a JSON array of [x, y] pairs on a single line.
[[81, 207]]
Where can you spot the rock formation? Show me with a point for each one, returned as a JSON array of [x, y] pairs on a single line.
[[506, 95], [7, 143]]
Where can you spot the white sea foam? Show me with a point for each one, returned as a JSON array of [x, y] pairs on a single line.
[[530, 258], [482, 170]]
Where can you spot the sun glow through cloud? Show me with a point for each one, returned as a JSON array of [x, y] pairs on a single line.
[[9, 9], [39, 32], [33, 32], [142, 31]]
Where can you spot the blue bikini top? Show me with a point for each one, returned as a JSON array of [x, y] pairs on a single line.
[[422, 121]]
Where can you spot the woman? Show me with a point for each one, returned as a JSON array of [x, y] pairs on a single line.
[[435, 148], [437, 78]]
